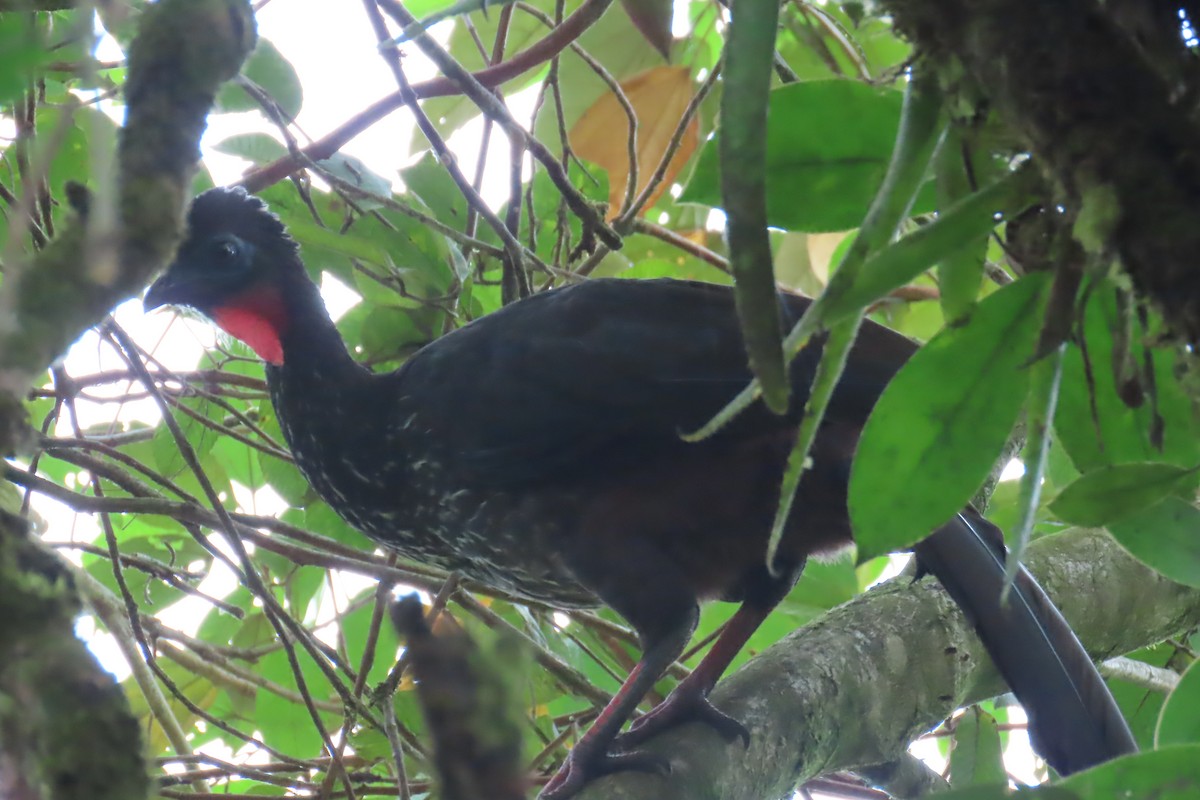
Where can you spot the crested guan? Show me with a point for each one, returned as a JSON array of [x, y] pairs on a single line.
[[537, 451]]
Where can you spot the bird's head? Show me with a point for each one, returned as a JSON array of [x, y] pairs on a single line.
[[237, 266]]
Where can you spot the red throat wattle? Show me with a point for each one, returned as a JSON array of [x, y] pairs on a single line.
[[258, 318]]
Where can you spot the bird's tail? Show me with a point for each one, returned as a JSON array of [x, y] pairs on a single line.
[[1074, 722]]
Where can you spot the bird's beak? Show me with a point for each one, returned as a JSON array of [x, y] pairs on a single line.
[[164, 291]]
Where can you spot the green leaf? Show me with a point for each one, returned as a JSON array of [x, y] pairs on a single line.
[[1179, 723], [1112, 493], [977, 757], [433, 186], [1000, 791], [259, 148], [273, 73], [828, 146], [423, 24], [960, 273], [956, 229], [355, 172], [22, 52], [387, 332], [137, 538], [1116, 433], [320, 518], [285, 722], [201, 437], [239, 462], [349, 244], [1164, 538], [936, 431], [255, 630], [1140, 708], [823, 585], [592, 182], [692, 269], [219, 628], [355, 628], [449, 113], [200, 691], [1172, 773]]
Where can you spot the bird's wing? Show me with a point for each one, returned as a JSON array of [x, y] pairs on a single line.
[[605, 370]]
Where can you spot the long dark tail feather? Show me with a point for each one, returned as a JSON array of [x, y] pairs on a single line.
[[1074, 722]]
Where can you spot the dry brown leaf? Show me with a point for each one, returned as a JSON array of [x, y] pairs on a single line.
[[659, 97]]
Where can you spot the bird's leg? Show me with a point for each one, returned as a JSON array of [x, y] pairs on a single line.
[[648, 589], [590, 757], [689, 701]]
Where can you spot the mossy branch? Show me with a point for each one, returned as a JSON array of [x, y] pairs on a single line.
[[184, 51], [65, 727]]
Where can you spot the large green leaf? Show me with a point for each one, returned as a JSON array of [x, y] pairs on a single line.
[[1112, 493], [1141, 708], [1179, 723], [257, 148], [939, 426], [1093, 423], [273, 73], [1165, 538], [285, 722], [977, 757], [828, 146], [22, 52], [202, 437], [1172, 773]]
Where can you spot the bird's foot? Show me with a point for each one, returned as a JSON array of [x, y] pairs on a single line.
[[583, 765], [683, 705]]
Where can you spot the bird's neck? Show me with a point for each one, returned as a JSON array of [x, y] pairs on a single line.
[[315, 382], [287, 325], [310, 340]]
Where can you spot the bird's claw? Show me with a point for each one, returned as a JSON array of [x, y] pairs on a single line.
[[581, 768], [678, 709]]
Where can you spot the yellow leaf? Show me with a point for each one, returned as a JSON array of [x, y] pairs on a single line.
[[659, 97]]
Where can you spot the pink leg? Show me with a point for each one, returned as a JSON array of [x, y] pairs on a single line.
[[689, 701], [590, 757]]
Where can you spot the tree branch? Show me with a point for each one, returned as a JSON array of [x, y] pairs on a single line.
[[888, 666], [535, 55], [184, 51], [65, 728]]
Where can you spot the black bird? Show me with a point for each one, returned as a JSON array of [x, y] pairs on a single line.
[[537, 451]]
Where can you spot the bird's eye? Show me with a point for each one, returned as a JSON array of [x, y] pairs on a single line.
[[226, 252]]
